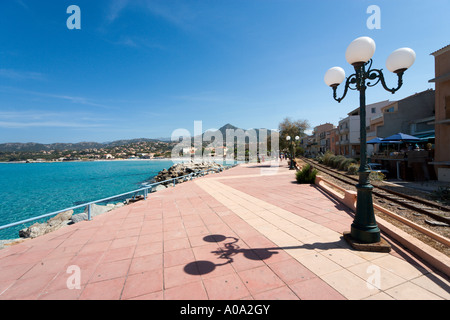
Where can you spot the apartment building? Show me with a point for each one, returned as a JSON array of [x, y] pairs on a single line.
[[442, 114], [348, 143], [412, 115]]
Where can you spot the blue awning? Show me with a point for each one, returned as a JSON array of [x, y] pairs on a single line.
[[402, 137], [426, 136], [374, 141]]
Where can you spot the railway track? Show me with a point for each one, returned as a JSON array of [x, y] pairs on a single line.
[[428, 208]]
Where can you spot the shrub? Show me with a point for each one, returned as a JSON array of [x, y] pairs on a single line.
[[327, 161], [346, 163], [335, 162], [326, 157], [353, 169], [376, 176], [320, 159], [307, 175], [442, 194]]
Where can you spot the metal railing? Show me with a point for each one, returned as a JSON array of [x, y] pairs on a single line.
[[144, 189]]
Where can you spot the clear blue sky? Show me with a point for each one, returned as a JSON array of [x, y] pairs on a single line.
[[143, 68]]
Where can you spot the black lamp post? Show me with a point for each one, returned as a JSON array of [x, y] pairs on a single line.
[[291, 153], [297, 139], [364, 229]]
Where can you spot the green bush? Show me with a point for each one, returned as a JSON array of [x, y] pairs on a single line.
[[376, 176], [442, 194], [307, 175], [346, 163], [353, 169], [319, 159], [326, 157], [336, 161], [329, 160]]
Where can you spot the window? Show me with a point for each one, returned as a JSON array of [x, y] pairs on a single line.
[[391, 109], [374, 110]]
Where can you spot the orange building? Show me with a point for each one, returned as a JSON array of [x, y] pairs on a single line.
[[442, 113]]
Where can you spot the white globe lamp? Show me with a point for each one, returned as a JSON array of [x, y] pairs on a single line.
[[334, 76], [400, 60], [360, 51]]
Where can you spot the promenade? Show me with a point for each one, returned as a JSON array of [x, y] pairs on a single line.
[[250, 232]]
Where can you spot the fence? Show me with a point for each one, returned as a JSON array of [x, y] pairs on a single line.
[[145, 190]]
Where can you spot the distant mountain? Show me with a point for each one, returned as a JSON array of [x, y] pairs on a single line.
[[38, 147], [223, 131]]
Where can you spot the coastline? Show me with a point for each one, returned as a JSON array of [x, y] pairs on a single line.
[[94, 160], [174, 160]]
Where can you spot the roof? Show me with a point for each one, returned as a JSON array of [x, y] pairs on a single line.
[[441, 51], [428, 91], [383, 103]]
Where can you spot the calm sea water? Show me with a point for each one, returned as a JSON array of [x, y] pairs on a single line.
[[34, 189]]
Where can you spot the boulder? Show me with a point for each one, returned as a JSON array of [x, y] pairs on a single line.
[[159, 188], [39, 229], [79, 217], [95, 211], [183, 169]]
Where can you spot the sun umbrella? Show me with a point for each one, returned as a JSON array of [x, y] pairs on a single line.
[[375, 141], [401, 137]]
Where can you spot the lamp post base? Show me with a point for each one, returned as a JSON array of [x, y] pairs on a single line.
[[381, 246]]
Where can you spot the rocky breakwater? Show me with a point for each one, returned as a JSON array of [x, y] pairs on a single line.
[[39, 229], [183, 169], [64, 219]]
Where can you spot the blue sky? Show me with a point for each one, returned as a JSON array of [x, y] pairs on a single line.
[[143, 68]]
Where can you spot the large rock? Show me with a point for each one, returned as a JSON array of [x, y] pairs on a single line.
[[183, 169], [39, 229], [96, 210], [79, 217]]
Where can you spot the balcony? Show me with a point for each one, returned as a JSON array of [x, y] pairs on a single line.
[[344, 131]]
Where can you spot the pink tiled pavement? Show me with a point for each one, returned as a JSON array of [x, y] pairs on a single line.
[[182, 243]]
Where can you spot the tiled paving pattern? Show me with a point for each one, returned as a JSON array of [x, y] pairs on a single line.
[[247, 233]]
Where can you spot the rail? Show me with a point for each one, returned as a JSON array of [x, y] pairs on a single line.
[[144, 189]]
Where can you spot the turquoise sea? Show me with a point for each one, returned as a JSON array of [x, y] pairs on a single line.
[[33, 189]]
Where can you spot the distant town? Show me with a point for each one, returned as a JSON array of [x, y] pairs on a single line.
[[74, 152]]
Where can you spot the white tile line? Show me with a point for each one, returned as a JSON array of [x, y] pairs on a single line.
[[285, 228]]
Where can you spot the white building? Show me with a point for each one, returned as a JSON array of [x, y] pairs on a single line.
[[349, 130]]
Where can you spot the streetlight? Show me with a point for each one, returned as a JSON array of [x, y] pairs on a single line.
[[297, 139], [364, 229], [291, 165]]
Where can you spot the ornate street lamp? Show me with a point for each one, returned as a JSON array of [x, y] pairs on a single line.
[[297, 140], [291, 166], [364, 229]]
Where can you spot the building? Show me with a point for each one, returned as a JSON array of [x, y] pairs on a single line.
[[442, 114], [319, 141], [411, 115], [334, 140], [307, 143], [348, 136], [322, 133], [349, 129]]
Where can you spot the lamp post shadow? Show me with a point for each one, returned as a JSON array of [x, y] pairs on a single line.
[[231, 249]]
